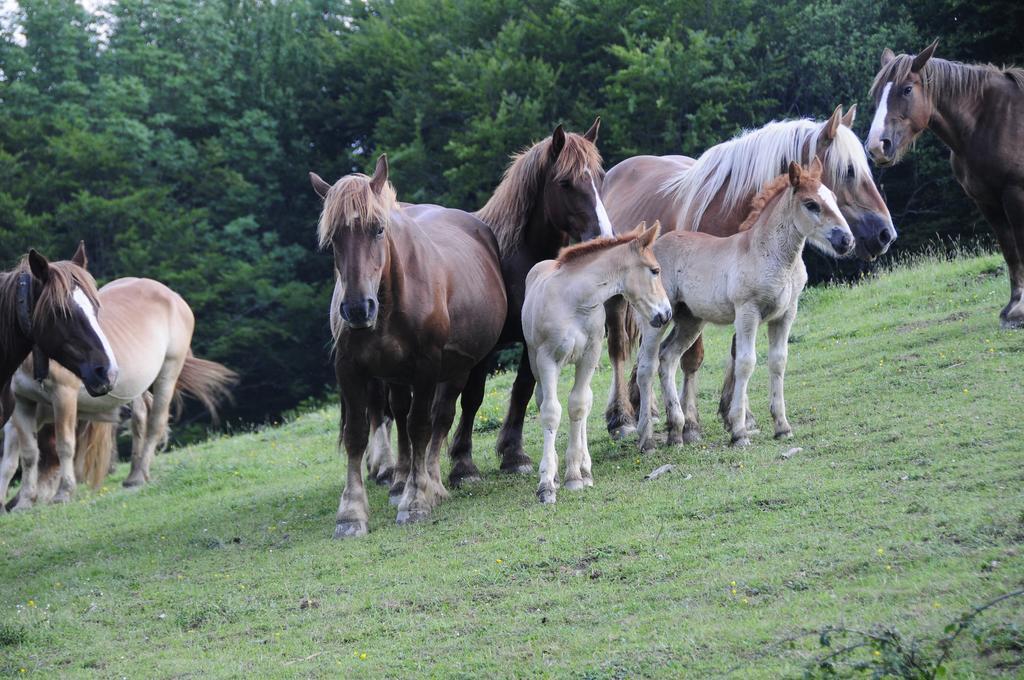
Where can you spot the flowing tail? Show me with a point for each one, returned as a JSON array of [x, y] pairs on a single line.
[[208, 382], [728, 386], [96, 447]]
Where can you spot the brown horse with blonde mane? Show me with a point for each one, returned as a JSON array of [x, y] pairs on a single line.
[[977, 110], [50, 308], [418, 302], [712, 194], [550, 195]]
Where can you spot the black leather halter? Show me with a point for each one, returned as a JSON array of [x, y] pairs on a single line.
[[26, 302]]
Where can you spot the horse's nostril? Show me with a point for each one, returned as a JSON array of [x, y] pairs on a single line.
[[101, 372], [885, 237], [886, 145]]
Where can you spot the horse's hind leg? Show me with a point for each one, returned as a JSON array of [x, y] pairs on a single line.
[[419, 496], [1010, 234], [646, 366], [379, 461], [461, 451], [156, 426], [24, 420], [9, 463], [619, 415], [747, 320], [693, 358], [682, 337], [510, 439]]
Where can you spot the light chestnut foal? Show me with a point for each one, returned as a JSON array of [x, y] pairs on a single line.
[[754, 276], [563, 322]]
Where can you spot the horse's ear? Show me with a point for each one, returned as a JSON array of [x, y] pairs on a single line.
[[816, 168], [557, 141], [794, 173], [923, 56], [651, 235], [39, 265], [80, 258], [832, 125], [591, 134], [887, 56], [319, 186], [380, 174], [850, 116]]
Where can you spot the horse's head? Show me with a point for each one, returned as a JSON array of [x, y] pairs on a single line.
[[57, 309], [902, 105], [355, 221], [848, 176], [572, 190], [642, 277], [815, 212]]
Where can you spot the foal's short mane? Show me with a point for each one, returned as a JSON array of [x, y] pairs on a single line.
[[745, 163], [944, 79], [51, 302], [508, 210], [758, 203], [578, 251], [351, 202]]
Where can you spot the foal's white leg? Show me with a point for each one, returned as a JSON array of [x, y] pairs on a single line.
[[65, 420], [778, 353], [671, 352], [546, 371], [581, 400], [747, 319], [647, 364], [24, 422]]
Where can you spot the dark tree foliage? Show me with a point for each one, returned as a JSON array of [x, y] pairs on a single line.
[[175, 136]]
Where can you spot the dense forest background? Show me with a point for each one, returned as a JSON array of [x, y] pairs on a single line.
[[175, 136]]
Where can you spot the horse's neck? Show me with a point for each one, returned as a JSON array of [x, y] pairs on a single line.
[[777, 239], [541, 238], [16, 346], [600, 279], [955, 117]]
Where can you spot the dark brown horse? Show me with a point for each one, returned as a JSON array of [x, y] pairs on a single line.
[[712, 194], [550, 194], [977, 110], [50, 308], [418, 302]]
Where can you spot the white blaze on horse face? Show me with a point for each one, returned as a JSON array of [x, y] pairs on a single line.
[[829, 199], [85, 304], [602, 215], [878, 123]]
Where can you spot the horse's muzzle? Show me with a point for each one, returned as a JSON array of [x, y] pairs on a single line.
[[360, 314], [661, 317], [98, 379], [841, 241]]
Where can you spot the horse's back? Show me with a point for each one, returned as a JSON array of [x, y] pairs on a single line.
[[632, 191]]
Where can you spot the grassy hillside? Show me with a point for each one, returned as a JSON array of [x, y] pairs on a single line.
[[903, 510]]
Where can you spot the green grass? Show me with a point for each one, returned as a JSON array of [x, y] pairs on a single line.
[[904, 508]]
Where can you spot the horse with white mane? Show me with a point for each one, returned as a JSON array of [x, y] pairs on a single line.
[[754, 276]]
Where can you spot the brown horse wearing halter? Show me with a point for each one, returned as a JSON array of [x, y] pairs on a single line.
[[418, 302], [977, 110], [49, 309], [712, 195], [550, 194]]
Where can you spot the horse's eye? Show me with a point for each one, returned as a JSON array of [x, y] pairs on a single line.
[[908, 90], [812, 206], [379, 233], [850, 172], [655, 271], [565, 183]]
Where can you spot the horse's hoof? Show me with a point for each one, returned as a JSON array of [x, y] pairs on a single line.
[[1008, 324], [22, 506], [588, 481], [383, 478], [546, 496], [647, 446], [741, 442], [574, 485], [464, 473], [674, 438], [622, 432], [691, 436], [133, 481], [411, 516], [351, 528], [61, 497], [784, 434], [519, 464]]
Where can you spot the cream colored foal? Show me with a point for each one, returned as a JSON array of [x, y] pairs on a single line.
[[752, 277], [563, 322]]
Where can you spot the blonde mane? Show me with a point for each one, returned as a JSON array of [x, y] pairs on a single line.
[[944, 79], [747, 162], [508, 210], [352, 203]]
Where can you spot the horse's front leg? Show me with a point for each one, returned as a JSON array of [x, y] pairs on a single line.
[[400, 398], [23, 420], [581, 399], [65, 422], [778, 353], [646, 366], [510, 439], [353, 518], [419, 496], [747, 320], [550, 416], [682, 337]]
